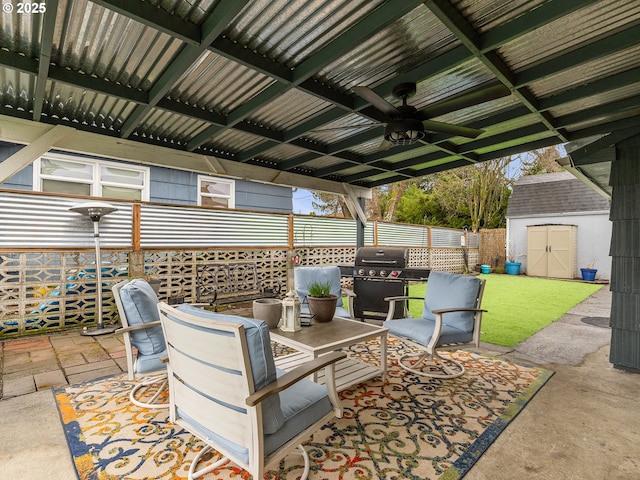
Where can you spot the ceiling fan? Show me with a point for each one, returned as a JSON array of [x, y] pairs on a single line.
[[405, 125]]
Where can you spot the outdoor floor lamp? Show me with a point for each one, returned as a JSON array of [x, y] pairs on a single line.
[[95, 211]]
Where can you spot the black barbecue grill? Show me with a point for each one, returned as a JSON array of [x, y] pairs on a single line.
[[380, 273]]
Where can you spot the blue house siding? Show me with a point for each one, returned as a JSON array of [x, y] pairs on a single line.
[[23, 180], [262, 196], [174, 186]]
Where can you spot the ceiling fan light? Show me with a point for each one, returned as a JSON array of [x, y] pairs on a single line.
[[404, 132]]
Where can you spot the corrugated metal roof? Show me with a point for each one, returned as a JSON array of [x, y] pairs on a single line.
[[257, 81]]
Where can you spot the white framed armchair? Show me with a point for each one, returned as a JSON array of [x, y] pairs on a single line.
[[145, 348], [225, 390], [451, 318], [305, 276]]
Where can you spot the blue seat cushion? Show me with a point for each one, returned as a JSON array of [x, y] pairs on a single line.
[[305, 276], [420, 330], [451, 290], [140, 305], [263, 366], [151, 363], [303, 404]]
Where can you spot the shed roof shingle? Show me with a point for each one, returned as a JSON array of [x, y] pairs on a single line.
[[553, 193]]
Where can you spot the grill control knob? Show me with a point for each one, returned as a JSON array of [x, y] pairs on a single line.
[[372, 273], [361, 271], [383, 273]]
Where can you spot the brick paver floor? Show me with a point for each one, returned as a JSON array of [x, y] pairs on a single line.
[[38, 363]]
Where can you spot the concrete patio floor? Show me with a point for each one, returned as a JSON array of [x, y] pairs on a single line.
[[582, 425]]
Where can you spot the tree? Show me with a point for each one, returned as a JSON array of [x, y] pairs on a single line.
[[544, 161], [488, 192], [329, 204]]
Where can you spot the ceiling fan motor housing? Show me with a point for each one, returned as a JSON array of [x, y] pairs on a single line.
[[405, 131]]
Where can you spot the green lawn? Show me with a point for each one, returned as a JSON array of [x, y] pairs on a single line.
[[519, 306]]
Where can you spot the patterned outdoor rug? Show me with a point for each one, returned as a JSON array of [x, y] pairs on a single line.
[[407, 428]]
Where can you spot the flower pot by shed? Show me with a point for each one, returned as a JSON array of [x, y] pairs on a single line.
[[485, 269], [512, 268], [323, 308], [588, 274]]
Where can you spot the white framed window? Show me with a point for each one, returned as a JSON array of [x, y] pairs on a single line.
[[55, 173], [216, 192]]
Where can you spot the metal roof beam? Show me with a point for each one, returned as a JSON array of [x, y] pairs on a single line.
[[530, 21], [590, 89], [155, 17], [472, 40], [381, 17], [586, 155], [213, 26], [44, 60], [600, 48]]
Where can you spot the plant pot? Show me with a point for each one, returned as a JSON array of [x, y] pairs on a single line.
[[269, 310], [485, 269], [512, 268], [588, 274], [155, 284], [323, 308]]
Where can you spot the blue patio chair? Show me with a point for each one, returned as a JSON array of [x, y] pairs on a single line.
[[224, 389], [451, 318], [305, 276], [138, 310]]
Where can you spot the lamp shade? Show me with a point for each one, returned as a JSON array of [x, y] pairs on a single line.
[[93, 210]]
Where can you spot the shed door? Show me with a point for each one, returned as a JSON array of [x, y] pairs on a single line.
[[560, 264], [551, 251], [537, 251]]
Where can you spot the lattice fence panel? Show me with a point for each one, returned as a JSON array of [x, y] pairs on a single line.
[[419, 257], [46, 291], [176, 269], [327, 256]]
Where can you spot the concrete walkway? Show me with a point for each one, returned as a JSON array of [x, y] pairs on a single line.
[[582, 425]]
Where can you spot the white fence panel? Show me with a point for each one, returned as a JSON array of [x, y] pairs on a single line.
[[163, 226], [394, 234], [37, 221]]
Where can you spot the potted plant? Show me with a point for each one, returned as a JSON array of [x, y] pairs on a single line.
[[512, 265], [322, 303], [589, 273]]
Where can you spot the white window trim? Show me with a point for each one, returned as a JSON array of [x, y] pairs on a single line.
[[95, 185], [232, 189]]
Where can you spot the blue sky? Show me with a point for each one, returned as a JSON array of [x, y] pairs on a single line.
[[302, 201]]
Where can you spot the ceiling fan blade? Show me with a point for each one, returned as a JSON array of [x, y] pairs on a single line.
[[347, 127], [465, 100], [384, 145], [376, 100], [457, 130]]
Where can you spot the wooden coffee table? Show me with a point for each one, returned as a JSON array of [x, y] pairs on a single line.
[[319, 338]]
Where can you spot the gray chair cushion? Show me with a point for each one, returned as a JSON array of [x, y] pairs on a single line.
[[420, 330], [140, 305], [305, 276], [303, 404], [263, 366], [450, 290]]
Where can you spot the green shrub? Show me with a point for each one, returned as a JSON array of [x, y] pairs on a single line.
[[318, 289]]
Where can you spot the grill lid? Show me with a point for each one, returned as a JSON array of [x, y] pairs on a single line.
[[381, 257]]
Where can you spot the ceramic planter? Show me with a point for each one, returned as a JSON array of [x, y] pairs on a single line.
[[269, 310], [323, 308]]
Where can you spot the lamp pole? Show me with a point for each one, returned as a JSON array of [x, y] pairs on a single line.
[[95, 211]]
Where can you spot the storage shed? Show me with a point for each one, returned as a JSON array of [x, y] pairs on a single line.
[[556, 225]]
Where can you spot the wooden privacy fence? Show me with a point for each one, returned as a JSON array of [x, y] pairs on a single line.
[[47, 257], [492, 247]]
